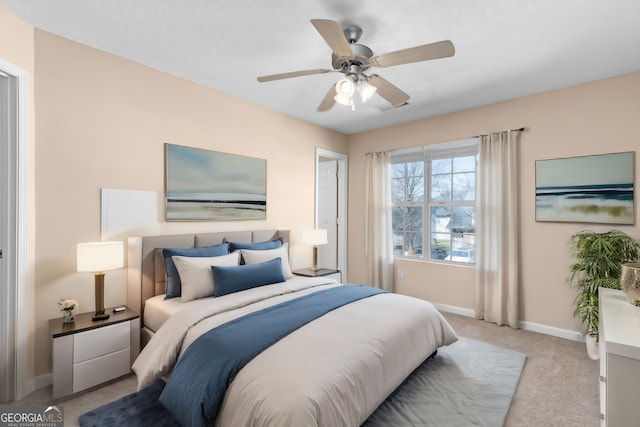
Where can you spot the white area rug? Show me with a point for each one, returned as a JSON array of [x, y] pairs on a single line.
[[469, 383]]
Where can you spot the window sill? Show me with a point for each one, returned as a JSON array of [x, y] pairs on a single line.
[[433, 261]]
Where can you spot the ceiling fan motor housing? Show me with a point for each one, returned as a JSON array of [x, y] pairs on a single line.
[[361, 56]]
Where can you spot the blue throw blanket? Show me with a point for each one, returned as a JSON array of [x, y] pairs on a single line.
[[200, 379]]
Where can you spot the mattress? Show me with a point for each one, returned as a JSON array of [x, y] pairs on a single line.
[[157, 310]]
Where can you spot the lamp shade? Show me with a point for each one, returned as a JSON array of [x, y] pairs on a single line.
[[345, 87], [344, 91], [314, 237], [365, 90], [100, 256]]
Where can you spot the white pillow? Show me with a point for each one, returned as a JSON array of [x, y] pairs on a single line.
[[252, 256], [196, 275]]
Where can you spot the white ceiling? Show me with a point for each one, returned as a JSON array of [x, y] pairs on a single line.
[[505, 49]]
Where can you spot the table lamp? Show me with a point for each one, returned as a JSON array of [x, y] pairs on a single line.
[[315, 237], [98, 257]]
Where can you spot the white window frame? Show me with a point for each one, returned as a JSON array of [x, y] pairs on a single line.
[[427, 153]]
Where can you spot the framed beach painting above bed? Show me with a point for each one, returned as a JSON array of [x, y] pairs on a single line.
[[594, 189], [204, 185]]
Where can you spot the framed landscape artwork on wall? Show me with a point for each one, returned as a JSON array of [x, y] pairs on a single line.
[[597, 189], [203, 185]]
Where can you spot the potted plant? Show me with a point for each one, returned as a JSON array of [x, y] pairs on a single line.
[[598, 263]]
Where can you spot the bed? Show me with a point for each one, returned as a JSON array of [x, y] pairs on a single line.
[[299, 351]]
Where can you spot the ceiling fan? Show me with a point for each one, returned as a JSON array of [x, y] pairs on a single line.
[[353, 59]]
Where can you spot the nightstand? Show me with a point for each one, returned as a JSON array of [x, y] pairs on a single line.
[[307, 272], [87, 353]]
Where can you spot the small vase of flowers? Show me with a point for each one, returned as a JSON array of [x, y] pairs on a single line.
[[67, 306]]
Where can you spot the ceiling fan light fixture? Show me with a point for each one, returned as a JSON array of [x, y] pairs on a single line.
[[345, 87], [365, 90], [344, 91]]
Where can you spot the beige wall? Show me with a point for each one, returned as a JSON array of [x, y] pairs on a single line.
[[592, 118], [17, 48], [16, 40], [103, 122]]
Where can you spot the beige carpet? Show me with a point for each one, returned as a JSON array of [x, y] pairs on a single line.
[[559, 383], [558, 387]]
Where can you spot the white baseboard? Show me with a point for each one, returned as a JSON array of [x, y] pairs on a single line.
[[553, 331], [455, 310], [527, 326]]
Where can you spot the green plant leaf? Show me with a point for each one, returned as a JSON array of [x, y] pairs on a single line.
[[598, 263]]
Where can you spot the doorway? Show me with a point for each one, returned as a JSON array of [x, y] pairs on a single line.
[[331, 208], [14, 316]]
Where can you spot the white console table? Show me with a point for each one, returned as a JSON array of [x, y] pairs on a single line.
[[619, 360]]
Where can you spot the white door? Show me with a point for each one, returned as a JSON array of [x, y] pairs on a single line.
[[328, 212]]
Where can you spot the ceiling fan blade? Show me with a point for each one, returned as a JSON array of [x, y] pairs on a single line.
[[388, 91], [328, 100], [292, 74], [333, 35], [425, 52]]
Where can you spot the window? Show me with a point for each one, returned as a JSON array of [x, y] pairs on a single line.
[[433, 194]]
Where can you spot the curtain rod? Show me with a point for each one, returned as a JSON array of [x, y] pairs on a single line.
[[378, 152], [522, 129]]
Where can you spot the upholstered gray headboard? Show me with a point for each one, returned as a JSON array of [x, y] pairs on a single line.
[[146, 276]]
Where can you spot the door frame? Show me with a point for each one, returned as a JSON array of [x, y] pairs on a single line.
[[15, 246], [343, 165]]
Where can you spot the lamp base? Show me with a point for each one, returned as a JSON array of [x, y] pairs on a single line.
[[314, 267], [100, 316], [100, 313]]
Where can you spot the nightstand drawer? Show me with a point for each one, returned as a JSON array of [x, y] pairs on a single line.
[[97, 342], [96, 371]]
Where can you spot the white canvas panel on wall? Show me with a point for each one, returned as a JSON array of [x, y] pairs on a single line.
[[125, 211]]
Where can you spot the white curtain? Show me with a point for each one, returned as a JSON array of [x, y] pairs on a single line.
[[497, 225], [378, 241]]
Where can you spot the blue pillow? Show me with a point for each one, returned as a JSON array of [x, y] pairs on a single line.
[[242, 277], [260, 246], [173, 286]]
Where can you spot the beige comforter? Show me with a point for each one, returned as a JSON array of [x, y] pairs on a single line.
[[334, 371]]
